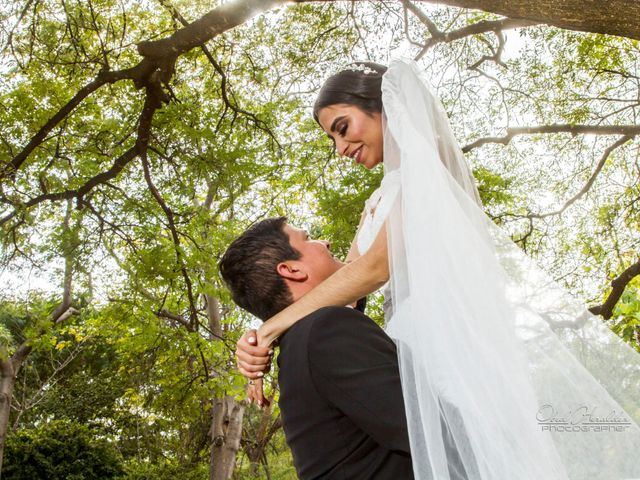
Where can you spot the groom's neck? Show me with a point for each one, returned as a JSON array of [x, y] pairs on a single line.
[[298, 290]]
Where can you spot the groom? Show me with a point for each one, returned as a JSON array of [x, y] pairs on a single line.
[[340, 395]]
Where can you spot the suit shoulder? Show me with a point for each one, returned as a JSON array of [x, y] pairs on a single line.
[[335, 327], [325, 317], [342, 327], [336, 316], [328, 322], [341, 340]]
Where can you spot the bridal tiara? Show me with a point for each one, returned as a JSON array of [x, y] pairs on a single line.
[[357, 67]]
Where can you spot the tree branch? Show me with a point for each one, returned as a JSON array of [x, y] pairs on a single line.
[[597, 17], [218, 20], [160, 55], [103, 78], [496, 53], [153, 101], [629, 130], [223, 83], [431, 26], [193, 320], [68, 267], [592, 16], [45, 386], [618, 286], [621, 141], [103, 177], [25, 348], [574, 324], [213, 315], [66, 315], [484, 26], [156, 68], [164, 313]]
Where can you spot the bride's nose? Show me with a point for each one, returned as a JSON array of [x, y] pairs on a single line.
[[342, 147]]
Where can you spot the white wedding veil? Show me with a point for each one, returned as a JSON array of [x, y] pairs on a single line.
[[505, 375]]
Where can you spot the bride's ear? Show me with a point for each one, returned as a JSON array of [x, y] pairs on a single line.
[[290, 271]]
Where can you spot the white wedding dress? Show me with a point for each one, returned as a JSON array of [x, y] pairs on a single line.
[[505, 376]]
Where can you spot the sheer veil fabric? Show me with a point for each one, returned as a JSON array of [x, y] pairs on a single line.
[[505, 375]]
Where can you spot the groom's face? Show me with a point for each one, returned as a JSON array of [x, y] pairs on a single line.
[[316, 261]]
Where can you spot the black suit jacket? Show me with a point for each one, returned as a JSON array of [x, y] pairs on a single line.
[[341, 399]]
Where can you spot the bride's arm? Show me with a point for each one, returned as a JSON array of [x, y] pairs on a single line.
[[354, 253], [254, 361], [363, 275], [355, 280]]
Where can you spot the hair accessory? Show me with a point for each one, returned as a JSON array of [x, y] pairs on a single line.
[[358, 67]]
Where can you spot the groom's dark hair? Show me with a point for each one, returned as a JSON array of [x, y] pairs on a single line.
[[248, 268]]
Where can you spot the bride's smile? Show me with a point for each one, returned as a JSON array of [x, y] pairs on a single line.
[[356, 134]]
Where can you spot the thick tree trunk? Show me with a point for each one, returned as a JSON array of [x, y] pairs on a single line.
[[8, 373], [213, 314], [226, 433], [613, 17], [6, 391], [226, 415]]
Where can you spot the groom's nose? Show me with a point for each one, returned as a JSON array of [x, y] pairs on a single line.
[[326, 244]]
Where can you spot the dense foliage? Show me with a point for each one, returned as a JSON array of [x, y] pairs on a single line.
[[61, 451], [149, 344]]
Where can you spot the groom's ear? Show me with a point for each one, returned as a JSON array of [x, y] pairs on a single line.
[[291, 271]]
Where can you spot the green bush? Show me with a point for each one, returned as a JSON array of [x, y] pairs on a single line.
[[60, 450], [165, 471]]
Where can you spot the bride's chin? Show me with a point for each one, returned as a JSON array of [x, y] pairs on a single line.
[[371, 166]]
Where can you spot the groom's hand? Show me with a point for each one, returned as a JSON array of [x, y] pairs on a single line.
[[253, 361]]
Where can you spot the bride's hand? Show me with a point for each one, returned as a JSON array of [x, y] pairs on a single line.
[[255, 393], [253, 363]]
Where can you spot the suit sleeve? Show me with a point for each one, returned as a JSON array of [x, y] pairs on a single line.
[[354, 366]]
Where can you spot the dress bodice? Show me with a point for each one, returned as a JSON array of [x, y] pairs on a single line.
[[377, 209]]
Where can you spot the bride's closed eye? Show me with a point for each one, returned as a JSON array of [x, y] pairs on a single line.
[[342, 130]]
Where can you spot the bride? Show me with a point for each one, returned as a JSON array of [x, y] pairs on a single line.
[[496, 360]]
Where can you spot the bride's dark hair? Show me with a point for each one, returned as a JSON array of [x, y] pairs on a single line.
[[359, 84]]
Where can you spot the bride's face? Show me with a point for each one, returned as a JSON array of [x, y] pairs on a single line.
[[356, 133]]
